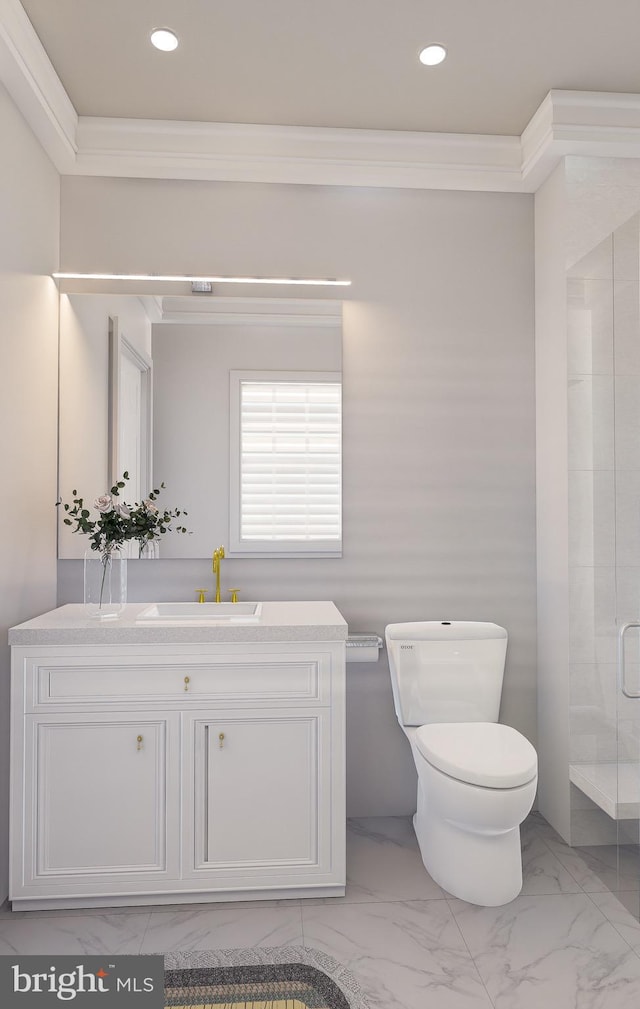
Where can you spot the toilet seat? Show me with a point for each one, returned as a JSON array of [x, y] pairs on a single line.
[[479, 753]]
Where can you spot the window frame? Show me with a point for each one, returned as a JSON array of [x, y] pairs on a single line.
[[271, 548]]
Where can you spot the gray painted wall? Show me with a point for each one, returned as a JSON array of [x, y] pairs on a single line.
[[29, 228], [438, 374]]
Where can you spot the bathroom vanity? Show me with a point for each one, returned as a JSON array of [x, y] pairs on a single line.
[[177, 762]]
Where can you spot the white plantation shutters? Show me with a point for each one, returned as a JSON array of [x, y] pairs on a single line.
[[287, 443]]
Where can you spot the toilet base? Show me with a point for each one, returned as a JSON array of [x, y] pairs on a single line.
[[484, 869]]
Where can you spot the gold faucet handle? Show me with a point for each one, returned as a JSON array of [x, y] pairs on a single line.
[[201, 594], [234, 595]]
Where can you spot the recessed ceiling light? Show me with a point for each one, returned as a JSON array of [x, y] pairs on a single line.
[[432, 55], [164, 39]]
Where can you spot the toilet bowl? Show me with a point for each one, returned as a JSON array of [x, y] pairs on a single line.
[[476, 784], [477, 778]]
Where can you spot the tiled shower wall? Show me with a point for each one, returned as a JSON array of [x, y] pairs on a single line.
[[603, 355]]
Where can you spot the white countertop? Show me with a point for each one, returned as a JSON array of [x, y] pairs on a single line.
[[280, 621]]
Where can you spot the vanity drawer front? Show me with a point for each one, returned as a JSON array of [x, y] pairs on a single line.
[[84, 683]]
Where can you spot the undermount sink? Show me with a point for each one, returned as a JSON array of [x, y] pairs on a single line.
[[200, 613]]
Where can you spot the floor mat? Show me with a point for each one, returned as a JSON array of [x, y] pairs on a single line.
[[284, 977]]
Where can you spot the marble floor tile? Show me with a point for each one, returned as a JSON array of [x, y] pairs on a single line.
[[223, 928], [79, 933], [600, 867], [556, 950], [383, 863], [404, 955], [623, 911], [542, 872]]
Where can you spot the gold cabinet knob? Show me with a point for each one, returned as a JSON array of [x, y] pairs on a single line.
[[221, 739], [139, 742], [187, 681]]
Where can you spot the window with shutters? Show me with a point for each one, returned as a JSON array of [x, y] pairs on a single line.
[[286, 463]]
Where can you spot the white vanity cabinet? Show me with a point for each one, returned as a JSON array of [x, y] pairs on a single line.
[[174, 772], [259, 792], [100, 792]]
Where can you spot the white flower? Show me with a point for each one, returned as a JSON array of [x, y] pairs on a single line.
[[150, 507], [123, 511], [104, 503]]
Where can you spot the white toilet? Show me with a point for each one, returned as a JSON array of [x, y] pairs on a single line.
[[476, 778]]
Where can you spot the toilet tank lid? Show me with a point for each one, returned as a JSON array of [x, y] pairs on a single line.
[[480, 753], [444, 630]]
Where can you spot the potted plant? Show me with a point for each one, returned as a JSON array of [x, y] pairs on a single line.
[[115, 524]]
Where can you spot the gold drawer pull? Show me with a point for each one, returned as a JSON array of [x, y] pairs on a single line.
[[221, 739], [139, 742], [187, 681]]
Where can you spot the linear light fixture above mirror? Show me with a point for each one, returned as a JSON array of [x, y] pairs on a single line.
[[310, 281]]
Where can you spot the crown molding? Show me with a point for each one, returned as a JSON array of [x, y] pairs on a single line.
[[596, 124], [221, 311], [230, 152], [36, 89], [582, 123], [216, 310]]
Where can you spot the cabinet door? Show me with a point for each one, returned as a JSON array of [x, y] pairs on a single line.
[[262, 791], [101, 797]]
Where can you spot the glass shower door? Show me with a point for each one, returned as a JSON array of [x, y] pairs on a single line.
[[626, 426], [604, 561]]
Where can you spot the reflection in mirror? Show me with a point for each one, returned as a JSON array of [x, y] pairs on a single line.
[[111, 344], [130, 423], [285, 463]]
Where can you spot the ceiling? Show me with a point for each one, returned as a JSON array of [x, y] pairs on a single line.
[[340, 63], [295, 92]]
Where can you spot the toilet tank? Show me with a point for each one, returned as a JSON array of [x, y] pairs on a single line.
[[446, 671]]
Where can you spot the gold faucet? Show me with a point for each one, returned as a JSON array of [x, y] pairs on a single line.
[[217, 557]]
